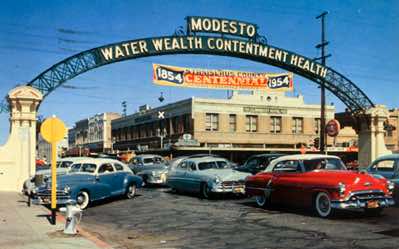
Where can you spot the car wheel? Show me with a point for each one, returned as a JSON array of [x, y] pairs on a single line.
[[262, 200], [131, 191], [373, 211], [322, 205], [145, 181], [205, 193], [83, 199]]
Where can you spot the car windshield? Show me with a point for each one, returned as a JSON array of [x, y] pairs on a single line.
[[213, 165], [324, 163]]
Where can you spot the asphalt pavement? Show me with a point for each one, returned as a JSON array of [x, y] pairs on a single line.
[[158, 218]]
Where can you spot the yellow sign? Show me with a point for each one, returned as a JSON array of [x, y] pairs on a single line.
[[224, 79], [53, 130]]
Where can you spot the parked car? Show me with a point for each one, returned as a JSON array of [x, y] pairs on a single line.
[[91, 180], [257, 163], [321, 182], [388, 167], [138, 163], [206, 175], [63, 167], [154, 174]]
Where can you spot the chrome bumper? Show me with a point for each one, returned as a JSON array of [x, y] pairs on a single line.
[[236, 189], [362, 204]]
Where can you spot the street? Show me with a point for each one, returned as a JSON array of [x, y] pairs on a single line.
[[158, 218]]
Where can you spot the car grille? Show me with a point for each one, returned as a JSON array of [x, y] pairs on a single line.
[[233, 183], [368, 195], [47, 194]]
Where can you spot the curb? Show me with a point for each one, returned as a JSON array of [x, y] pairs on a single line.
[[99, 243]]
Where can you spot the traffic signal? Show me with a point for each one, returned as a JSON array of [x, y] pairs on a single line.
[[316, 142]]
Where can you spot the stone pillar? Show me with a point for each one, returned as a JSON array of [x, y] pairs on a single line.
[[17, 156], [371, 135]]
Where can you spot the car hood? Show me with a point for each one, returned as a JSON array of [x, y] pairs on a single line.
[[72, 179], [226, 174], [47, 172], [349, 178]]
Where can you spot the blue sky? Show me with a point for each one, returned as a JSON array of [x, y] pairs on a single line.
[[34, 35]]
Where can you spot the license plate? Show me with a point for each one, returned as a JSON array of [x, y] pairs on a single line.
[[372, 204]]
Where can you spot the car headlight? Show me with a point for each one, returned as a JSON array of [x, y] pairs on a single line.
[[67, 189], [217, 180], [153, 173], [391, 185], [341, 188]]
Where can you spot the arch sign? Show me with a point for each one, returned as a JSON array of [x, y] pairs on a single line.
[[213, 36]]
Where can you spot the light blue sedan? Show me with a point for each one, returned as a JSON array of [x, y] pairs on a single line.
[[91, 180], [387, 166], [207, 176]]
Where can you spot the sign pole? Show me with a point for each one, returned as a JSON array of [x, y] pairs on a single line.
[[53, 182]]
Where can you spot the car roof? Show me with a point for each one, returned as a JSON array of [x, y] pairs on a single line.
[[389, 156], [304, 157], [98, 160], [268, 155], [206, 159], [147, 156], [73, 159]]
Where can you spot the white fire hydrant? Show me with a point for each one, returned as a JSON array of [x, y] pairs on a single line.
[[73, 215]]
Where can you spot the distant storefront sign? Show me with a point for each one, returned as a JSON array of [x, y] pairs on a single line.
[[225, 79]]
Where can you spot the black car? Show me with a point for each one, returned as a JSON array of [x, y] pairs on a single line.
[[257, 163]]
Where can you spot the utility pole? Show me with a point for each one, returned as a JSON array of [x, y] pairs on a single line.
[[323, 57]]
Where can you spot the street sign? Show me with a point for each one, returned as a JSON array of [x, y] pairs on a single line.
[[53, 130], [333, 127]]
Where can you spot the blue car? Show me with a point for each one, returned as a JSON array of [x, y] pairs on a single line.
[[387, 166], [91, 180]]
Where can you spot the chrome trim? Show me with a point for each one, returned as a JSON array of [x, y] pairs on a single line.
[[364, 192]]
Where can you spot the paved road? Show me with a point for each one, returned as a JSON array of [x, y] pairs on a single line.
[[160, 219]]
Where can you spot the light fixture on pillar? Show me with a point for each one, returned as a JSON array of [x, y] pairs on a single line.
[[161, 98]]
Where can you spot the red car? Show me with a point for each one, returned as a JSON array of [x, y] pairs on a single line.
[[321, 182]]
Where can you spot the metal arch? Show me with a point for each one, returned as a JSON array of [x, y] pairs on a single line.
[[46, 82]]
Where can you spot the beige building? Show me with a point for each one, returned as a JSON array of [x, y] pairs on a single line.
[[92, 134], [392, 133], [258, 121]]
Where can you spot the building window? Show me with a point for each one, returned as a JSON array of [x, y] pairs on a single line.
[[232, 122], [297, 125], [212, 122], [317, 125], [251, 123], [275, 124]]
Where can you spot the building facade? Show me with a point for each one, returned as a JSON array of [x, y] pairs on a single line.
[[391, 131], [92, 134], [258, 121]]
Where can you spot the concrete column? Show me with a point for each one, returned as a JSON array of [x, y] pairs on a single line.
[[18, 155], [371, 135]]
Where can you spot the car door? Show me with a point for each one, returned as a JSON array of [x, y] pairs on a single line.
[[176, 176], [119, 177], [106, 179], [385, 167], [192, 177], [286, 182]]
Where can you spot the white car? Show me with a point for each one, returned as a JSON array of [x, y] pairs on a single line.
[[63, 167]]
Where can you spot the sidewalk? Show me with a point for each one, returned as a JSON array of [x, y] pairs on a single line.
[[23, 227]]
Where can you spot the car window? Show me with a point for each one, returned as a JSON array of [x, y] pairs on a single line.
[[288, 166], [105, 168], [183, 165], [75, 167], [158, 159], [118, 167], [384, 165], [88, 167], [252, 163], [207, 165], [323, 163], [192, 166], [223, 164], [66, 164]]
